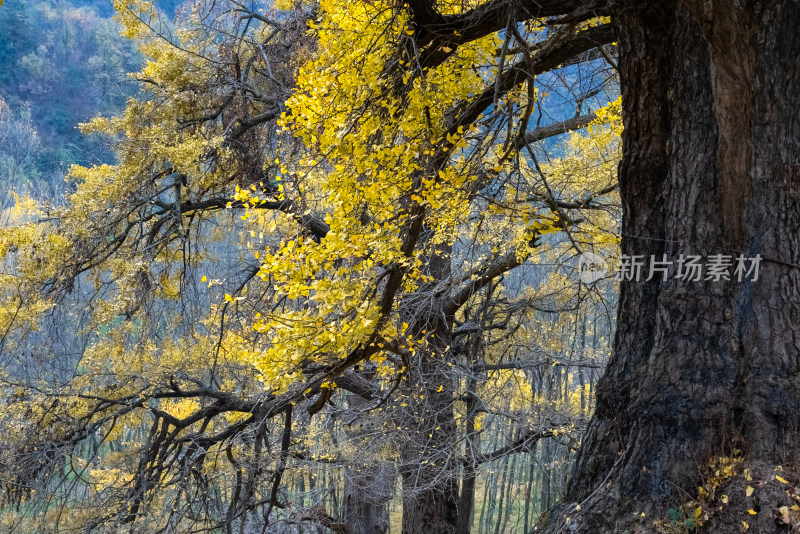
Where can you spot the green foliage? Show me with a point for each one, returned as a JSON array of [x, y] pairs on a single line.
[[66, 63]]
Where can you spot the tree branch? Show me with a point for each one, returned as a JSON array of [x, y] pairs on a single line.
[[552, 130], [518, 445], [438, 32], [546, 60], [451, 302]]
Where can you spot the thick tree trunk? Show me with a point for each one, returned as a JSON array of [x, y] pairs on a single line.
[[367, 492], [367, 487], [429, 468], [711, 165]]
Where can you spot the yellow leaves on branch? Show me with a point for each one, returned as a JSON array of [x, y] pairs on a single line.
[[372, 123], [370, 135], [134, 17]]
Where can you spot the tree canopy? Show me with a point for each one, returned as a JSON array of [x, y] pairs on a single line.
[[337, 237]]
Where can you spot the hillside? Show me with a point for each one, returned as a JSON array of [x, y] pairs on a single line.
[[61, 63]]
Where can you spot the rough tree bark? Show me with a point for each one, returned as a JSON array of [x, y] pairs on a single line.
[[711, 164], [368, 486], [430, 486], [366, 493]]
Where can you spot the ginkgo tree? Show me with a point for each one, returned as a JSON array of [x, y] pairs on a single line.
[[348, 196], [431, 194]]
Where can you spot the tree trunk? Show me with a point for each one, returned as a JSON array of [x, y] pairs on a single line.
[[711, 165], [367, 486], [367, 492], [429, 468], [510, 495], [501, 488], [470, 476], [528, 495]]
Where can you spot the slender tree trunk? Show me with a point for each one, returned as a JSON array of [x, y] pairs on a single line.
[[501, 488], [485, 512], [546, 471], [711, 165], [467, 497], [528, 499], [510, 495]]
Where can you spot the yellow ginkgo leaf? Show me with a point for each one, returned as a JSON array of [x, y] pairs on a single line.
[[749, 490], [780, 479], [752, 512]]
